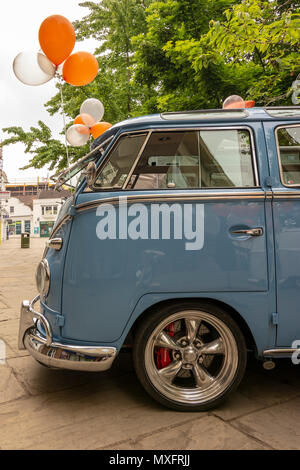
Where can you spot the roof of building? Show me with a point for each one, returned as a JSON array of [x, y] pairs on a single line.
[[52, 194], [26, 200]]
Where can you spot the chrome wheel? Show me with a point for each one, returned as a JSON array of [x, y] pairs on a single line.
[[191, 357]]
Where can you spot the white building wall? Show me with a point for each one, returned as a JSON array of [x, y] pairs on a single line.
[[21, 213], [39, 217]]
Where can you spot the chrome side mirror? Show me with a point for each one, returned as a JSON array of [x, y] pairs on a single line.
[[90, 173]]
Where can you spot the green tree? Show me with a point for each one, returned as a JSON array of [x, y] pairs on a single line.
[[44, 150], [170, 81], [255, 45]]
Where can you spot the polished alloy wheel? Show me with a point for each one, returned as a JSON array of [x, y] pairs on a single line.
[[200, 357]]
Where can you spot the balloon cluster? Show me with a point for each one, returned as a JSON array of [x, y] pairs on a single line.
[[57, 40], [87, 123]]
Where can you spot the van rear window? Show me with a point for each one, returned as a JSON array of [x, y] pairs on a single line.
[[288, 140]]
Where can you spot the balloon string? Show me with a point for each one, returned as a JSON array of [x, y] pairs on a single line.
[[64, 120]]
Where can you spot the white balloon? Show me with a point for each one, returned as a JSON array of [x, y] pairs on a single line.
[[94, 108], [33, 68], [234, 101], [78, 135]]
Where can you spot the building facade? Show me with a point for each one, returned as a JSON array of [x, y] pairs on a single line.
[[34, 214]]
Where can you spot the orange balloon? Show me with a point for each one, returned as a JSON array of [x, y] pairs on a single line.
[[84, 119], [80, 69], [57, 38], [78, 120], [99, 128], [249, 104]]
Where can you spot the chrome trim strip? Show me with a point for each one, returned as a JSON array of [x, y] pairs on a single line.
[[226, 112], [279, 351], [58, 355], [184, 128], [170, 197], [278, 154], [286, 194]]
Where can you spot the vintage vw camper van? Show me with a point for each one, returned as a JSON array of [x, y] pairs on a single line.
[[182, 241]]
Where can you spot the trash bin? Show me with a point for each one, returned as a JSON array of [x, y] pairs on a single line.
[[25, 240]]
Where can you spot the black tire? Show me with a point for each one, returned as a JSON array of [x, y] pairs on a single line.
[[145, 336]]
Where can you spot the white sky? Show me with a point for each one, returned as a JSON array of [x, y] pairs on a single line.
[[23, 105]]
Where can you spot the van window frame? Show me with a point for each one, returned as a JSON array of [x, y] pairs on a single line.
[[149, 132], [281, 174]]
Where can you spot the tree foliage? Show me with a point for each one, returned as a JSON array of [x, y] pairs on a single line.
[[45, 150], [176, 54]]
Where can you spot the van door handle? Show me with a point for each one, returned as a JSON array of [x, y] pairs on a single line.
[[253, 232]]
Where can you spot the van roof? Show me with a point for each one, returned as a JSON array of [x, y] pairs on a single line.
[[203, 116], [211, 115]]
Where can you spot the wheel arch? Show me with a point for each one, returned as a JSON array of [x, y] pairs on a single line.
[[235, 315]]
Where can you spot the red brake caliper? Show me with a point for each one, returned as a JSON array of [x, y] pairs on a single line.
[[163, 358]]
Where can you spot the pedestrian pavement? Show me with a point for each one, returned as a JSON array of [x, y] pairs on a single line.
[[42, 408]]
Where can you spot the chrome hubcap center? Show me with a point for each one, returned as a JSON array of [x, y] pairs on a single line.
[[190, 354]]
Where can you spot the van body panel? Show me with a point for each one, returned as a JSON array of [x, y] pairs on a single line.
[[286, 214]]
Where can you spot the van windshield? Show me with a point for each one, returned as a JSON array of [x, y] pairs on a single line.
[[74, 174]]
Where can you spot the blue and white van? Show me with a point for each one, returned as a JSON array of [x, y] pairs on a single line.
[[182, 241]]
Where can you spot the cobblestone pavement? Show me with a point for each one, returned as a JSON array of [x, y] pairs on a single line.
[[47, 409]]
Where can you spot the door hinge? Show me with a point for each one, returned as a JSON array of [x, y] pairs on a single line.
[[59, 320], [275, 318], [269, 181]]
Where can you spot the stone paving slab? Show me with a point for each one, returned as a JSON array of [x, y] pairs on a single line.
[[203, 433], [10, 387], [47, 409], [277, 426], [91, 416]]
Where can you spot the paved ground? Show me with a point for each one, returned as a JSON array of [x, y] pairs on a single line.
[[47, 409]]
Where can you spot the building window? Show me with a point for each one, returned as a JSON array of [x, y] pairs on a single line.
[[49, 210], [27, 226], [11, 210], [18, 228]]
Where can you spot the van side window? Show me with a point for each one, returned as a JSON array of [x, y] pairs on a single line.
[[289, 154], [195, 159], [116, 168]]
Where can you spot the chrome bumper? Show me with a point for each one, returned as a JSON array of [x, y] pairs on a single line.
[[52, 354]]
